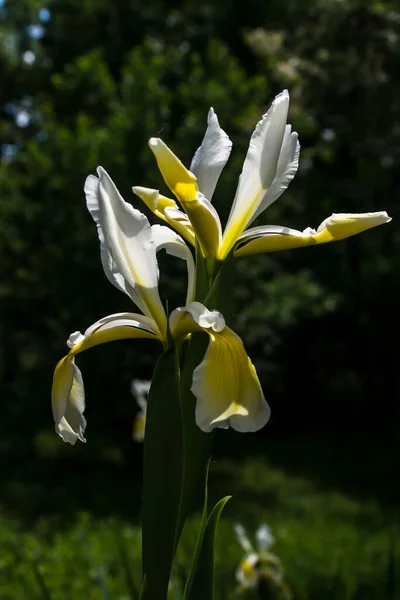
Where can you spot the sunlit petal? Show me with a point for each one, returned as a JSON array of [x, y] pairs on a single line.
[[167, 210], [211, 157], [68, 397], [179, 221], [201, 213], [166, 238], [225, 383], [120, 326], [125, 236], [288, 164], [337, 227], [259, 170]]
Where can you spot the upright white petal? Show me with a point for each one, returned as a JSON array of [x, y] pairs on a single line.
[[264, 538], [166, 238], [211, 157], [288, 164], [259, 170], [91, 189], [125, 233], [243, 538]]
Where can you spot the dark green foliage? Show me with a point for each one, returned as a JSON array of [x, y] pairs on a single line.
[[106, 77]]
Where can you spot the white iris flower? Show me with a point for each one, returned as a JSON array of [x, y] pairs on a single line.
[[229, 395], [270, 165]]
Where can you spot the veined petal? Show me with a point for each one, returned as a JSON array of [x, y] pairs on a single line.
[[259, 170], [68, 401], [125, 233], [167, 210], [166, 238], [211, 157], [337, 227], [225, 383], [288, 164], [202, 215]]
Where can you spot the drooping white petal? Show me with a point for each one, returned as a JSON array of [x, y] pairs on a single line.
[[166, 238], [68, 397], [119, 326], [288, 164], [68, 401], [211, 157], [126, 235], [259, 170], [225, 383]]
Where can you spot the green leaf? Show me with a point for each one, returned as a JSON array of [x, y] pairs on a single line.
[[198, 444], [162, 477], [203, 525], [201, 582]]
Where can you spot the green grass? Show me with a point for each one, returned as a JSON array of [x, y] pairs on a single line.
[[333, 547]]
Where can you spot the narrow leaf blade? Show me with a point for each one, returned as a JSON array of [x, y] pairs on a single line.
[[162, 476]]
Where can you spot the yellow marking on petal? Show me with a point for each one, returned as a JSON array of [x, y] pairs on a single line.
[[102, 336], [341, 226], [184, 228], [226, 378], [154, 201], [236, 227], [335, 228], [274, 243], [158, 205], [177, 177], [62, 383], [183, 184], [248, 568], [138, 427]]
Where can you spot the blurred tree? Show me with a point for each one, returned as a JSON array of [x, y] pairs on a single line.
[[88, 82]]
